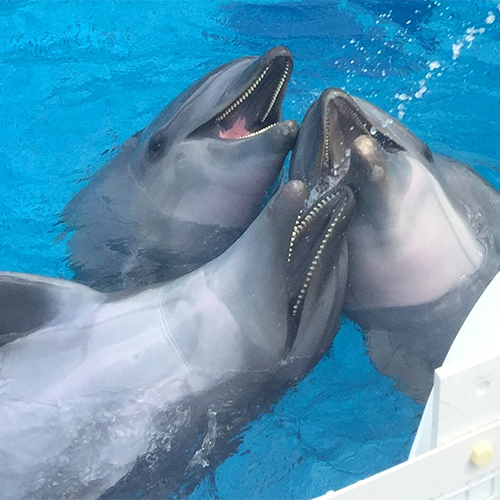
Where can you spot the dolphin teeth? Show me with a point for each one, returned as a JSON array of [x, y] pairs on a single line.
[[258, 132], [327, 139], [250, 90], [277, 91], [244, 96], [327, 147], [298, 228]]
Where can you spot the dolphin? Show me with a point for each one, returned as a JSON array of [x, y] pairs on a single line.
[[424, 242], [182, 190], [100, 390]]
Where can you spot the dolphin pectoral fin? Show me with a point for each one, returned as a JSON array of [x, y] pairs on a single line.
[[409, 367], [30, 303]]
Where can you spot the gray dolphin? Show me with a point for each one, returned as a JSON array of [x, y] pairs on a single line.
[[425, 239], [98, 389], [182, 190]]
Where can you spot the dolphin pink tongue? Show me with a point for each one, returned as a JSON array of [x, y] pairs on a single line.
[[237, 130]]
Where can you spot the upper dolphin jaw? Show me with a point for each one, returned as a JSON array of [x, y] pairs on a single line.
[[344, 122], [316, 238], [255, 107]]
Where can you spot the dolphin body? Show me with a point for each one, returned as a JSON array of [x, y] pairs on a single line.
[[181, 191], [100, 391], [424, 242]]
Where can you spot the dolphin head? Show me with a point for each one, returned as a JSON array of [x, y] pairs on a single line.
[[212, 153], [408, 243], [285, 278], [347, 139], [182, 190]]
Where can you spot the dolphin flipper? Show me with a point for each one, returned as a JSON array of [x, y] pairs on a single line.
[[30, 303]]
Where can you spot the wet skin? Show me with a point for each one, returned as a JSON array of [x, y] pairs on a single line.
[[99, 386]]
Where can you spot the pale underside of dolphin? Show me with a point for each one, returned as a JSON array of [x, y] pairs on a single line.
[[425, 239], [181, 191], [109, 394]]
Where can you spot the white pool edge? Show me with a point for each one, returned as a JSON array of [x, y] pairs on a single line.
[[456, 452]]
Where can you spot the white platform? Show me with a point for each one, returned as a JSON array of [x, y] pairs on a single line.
[[456, 453]]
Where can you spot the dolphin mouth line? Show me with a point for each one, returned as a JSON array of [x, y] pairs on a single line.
[[343, 123], [314, 228], [258, 108]]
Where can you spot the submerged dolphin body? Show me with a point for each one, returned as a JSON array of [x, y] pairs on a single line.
[[154, 384], [425, 240], [182, 190]]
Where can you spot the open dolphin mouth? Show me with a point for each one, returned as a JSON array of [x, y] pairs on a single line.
[[258, 107], [343, 122], [315, 238]]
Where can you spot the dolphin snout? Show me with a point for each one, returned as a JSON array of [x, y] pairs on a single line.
[[289, 128]]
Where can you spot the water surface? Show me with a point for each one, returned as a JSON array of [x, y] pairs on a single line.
[[78, 78]]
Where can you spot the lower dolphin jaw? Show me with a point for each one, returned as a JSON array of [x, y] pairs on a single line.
[[317, 227], [258, 108]]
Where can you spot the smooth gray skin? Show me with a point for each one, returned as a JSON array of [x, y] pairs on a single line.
[[424, 242], [177, 195], [101, 393]]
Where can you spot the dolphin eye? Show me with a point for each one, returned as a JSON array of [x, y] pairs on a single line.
[[156, 147], [428, 153], [388, 144]]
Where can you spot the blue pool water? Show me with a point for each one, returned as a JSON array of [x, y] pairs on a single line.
[[78, 78]]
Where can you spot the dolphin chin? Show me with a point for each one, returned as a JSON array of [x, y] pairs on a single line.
[[424, 242], [107, 394], [182, 190]]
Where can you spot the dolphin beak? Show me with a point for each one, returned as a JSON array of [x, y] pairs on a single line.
[[369, 159], [316, 241], [257, 96], [349, 135]]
